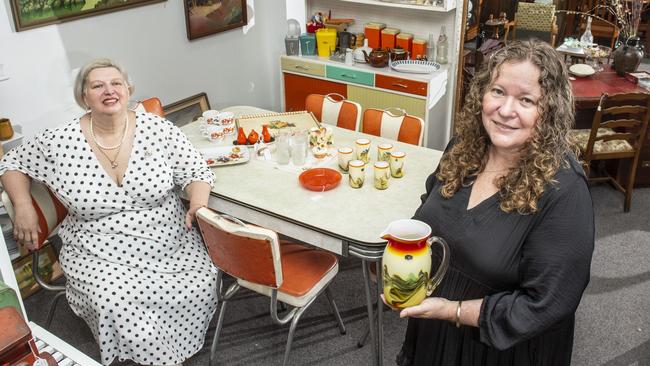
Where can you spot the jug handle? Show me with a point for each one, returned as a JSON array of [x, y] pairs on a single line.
[[444, 263]]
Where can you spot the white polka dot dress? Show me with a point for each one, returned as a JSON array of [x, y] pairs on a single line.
[[143, 283]]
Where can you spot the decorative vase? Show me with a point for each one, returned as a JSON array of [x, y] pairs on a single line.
[[406, 263], [6, 131], [627, 56]]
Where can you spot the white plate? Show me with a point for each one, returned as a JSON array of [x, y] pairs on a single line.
[[582, 70], [225, 155], [415, 66]]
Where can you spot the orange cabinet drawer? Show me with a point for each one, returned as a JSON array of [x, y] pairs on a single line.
[[401, 85]]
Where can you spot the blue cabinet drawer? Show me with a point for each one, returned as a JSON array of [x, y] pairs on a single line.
[[350, 76]]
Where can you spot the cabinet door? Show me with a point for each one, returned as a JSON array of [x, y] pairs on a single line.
[[370, 98], [297, 88]]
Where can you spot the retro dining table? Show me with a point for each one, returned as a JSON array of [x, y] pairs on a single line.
[[344, 220]]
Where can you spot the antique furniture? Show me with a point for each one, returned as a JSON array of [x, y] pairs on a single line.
[[51, 213], [286, 272], [342, 113], [617, 132], [393, 124], [534, 17], [153, 105], [244, 190]]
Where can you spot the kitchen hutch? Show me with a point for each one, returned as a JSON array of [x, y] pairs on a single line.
[[429, 96]]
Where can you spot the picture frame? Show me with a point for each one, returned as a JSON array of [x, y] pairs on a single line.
[[49, 267], [187, 110], [28, 14], [206, 17]]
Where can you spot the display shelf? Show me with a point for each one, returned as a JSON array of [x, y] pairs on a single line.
[[448, 5]]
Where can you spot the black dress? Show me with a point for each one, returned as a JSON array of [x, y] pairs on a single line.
[[530, 271]]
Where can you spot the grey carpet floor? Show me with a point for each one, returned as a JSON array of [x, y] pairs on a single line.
[[612, 325]]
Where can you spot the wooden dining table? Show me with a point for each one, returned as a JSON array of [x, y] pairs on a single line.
[[344, 220]]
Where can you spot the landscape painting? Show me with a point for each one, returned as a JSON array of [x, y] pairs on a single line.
[[205, 17], [36, 13]]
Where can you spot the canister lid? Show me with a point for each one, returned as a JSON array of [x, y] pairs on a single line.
[[375, 25], [404, 36], [390, 31], [419, 41]]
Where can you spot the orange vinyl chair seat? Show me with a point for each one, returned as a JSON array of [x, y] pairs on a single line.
[[395, 126], [287, 272], [341, 113]]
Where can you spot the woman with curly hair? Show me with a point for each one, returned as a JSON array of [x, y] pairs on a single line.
[[512, 201]]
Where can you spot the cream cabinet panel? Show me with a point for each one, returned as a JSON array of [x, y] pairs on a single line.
[[371, 98]]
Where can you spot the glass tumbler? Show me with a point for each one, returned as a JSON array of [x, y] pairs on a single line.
[[282, 153], [299, 146]]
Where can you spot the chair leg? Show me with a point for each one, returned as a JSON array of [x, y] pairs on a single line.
[[292, 330], [630, 186], [217, 331], [50, 313], [335, 310]]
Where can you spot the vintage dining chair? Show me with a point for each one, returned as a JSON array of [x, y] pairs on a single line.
[[341, 113], [286, 272], [393, 125], [51, 213], [618, 131], [535, 18], [152, 105]]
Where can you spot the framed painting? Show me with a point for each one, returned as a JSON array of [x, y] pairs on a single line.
[[205, 17], [187, 110], [37, 13]]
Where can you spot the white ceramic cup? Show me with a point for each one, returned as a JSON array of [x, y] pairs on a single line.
[[345, 156], [357, 173], [397, 164], [211, 116], [383, 151], [362, 147], [382, 174], [226, 118]]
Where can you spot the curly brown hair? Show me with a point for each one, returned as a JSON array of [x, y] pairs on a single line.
[[545, 151]]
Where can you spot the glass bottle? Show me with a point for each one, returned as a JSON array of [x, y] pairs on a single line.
[[442, 46], [587, 38], [431, 48]]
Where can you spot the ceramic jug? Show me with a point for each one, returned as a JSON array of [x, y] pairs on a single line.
[[406, 263], [377, 58]]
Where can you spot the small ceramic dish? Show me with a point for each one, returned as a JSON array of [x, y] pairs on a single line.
[[225, 155], [415, 66], [320, 179], [582, 70]]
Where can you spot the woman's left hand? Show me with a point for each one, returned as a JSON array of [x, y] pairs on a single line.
[[431, 308], [190, 216]]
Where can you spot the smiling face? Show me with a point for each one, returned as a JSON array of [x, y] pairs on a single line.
[[106, 91], [510, 105]]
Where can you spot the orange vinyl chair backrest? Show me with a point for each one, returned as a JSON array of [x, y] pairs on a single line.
[[395, 126], [341, 113]]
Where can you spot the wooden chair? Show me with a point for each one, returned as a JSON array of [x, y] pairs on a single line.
[[617, 132], [51, 213], [534, 17], [396, 126], [286, 272], [152, 105], [341, 113]]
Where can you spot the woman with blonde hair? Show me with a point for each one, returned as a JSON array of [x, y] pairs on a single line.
[[512, 201], [136, 270]]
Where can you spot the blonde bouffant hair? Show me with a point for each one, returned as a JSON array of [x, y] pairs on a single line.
[[543, 154]]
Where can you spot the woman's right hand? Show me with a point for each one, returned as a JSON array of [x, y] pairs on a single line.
[[26, 226]]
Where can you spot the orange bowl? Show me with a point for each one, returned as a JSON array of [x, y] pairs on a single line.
[[320, 179]]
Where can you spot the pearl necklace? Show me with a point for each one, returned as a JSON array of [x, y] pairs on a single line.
[[92, 134], [113, 161]]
